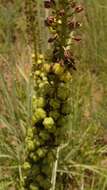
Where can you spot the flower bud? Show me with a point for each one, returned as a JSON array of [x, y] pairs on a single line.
[[48, 3], [78, 9], [58, 69], [50, 21], [73, 24], [62, 12]]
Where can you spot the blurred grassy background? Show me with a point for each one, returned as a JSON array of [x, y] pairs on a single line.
[[85, 163]]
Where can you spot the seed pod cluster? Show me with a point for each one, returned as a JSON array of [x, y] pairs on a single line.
[[51, 100], [50, 109]]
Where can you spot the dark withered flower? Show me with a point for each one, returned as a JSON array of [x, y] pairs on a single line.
[[51, 39], [73, 4], [77, 38], [73, 24], [49, 21], [49, 3], [62, 12], [79, 9]]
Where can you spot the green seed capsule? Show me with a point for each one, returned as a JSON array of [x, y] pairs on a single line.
[[58, 69], [37, 73], [46, 67], [34, 120], [40, 102], [54, 103], [26, 166], [39, 115], [66, 76], [42, 85], [31, 145], [41, 152], [49, 124], [34, 157]]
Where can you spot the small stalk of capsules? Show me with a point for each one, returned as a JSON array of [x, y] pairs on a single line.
[[52, 79]]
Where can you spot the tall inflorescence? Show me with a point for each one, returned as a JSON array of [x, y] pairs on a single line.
[[51, 100]]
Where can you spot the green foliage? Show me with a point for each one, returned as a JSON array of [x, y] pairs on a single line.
[[14, 120], [12, 24]]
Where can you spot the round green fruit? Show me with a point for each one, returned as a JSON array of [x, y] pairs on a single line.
[[54, 103], [41, 152], [49, 123], [46, 67], [33, 156], [30, 145], [66, 77], [40, 102], [58, 69], [37, 73], [26, 166], [39, 114]]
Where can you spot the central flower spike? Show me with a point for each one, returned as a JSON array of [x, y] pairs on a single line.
[[51, 100]]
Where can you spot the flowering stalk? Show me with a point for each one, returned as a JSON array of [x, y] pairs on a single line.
[[32, 23], [51, 104]]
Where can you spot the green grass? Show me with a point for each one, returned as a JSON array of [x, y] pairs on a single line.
[[14, 120]]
